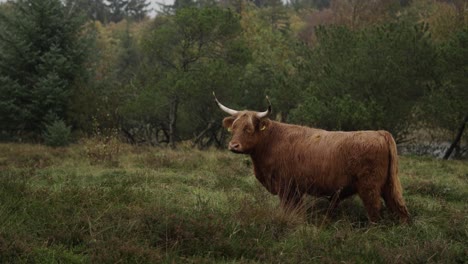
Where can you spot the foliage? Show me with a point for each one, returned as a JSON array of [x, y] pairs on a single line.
[[339, 65], [182, 47], [57, 134], [133, 9], [305, 4], [450, 94], [42, 55], [272, 71], [110, 11], [445, 18], [357, 14], [444, 106], [367, 79], [162, 205], [103, 150], [103, 147], [95, 10], [114, 64]]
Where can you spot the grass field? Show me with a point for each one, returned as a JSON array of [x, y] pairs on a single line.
[[152, 205]]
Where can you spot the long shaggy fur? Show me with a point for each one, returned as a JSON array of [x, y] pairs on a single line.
[[291, 161]]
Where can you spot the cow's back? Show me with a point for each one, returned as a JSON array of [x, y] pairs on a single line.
[[321, 162]]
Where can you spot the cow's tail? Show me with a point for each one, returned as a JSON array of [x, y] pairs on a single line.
[[392, 191]]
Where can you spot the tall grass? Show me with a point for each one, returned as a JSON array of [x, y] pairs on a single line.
[[152, 205]]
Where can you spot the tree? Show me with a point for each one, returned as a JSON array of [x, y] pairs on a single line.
[[106, 11], [42, 55], [359, 13], [117, 10], [112, 81], [367, 79], [183, 48], [272, 71], [445, 105], [308, 4], [454, 55], [137, 9], [95, 10]]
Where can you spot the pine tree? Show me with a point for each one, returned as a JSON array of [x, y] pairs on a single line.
[[40, 59]]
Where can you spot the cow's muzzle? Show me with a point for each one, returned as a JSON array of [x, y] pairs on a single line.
[[234, 147]]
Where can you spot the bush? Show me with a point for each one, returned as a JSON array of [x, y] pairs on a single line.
[[370, 78], [104, 146], [341, 113], [57, 134], [103, 150]]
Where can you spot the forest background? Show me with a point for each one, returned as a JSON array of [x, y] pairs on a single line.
[[76, 68]]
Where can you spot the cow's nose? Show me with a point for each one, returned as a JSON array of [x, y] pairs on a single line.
[[234, 146]]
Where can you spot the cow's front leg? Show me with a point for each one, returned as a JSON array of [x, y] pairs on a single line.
[[290, 198]]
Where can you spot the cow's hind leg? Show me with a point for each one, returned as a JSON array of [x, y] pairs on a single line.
[[395, 203], [370, 196]]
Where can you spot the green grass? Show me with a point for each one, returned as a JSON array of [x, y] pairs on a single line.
[[153, 205]]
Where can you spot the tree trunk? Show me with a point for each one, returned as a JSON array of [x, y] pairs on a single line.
[[457, 139], [199, 137], [172, 121]]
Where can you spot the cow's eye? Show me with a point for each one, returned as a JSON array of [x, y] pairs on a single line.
[[248, 130]]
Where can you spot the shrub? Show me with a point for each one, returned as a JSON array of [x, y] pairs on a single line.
[[103, 148], [57, 134]]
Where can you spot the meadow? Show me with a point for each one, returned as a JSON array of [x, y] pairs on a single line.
[[126, 204]]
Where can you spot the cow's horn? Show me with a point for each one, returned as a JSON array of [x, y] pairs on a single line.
[[267, 112], [224, 108]]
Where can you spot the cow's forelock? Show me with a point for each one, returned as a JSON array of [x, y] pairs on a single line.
[[242, 141], [242, 117]]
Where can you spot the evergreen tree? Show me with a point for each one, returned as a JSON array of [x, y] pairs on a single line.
[[41, 57], [121, 9], [117, 10], [95, 10], [137, 9]]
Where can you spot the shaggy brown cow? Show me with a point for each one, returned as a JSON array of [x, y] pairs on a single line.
[[290, 161]]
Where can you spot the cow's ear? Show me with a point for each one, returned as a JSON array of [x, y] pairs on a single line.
[[264, 124], [227, 122]]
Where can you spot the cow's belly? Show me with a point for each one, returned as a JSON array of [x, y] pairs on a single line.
[[321, 180], [343, 192]]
